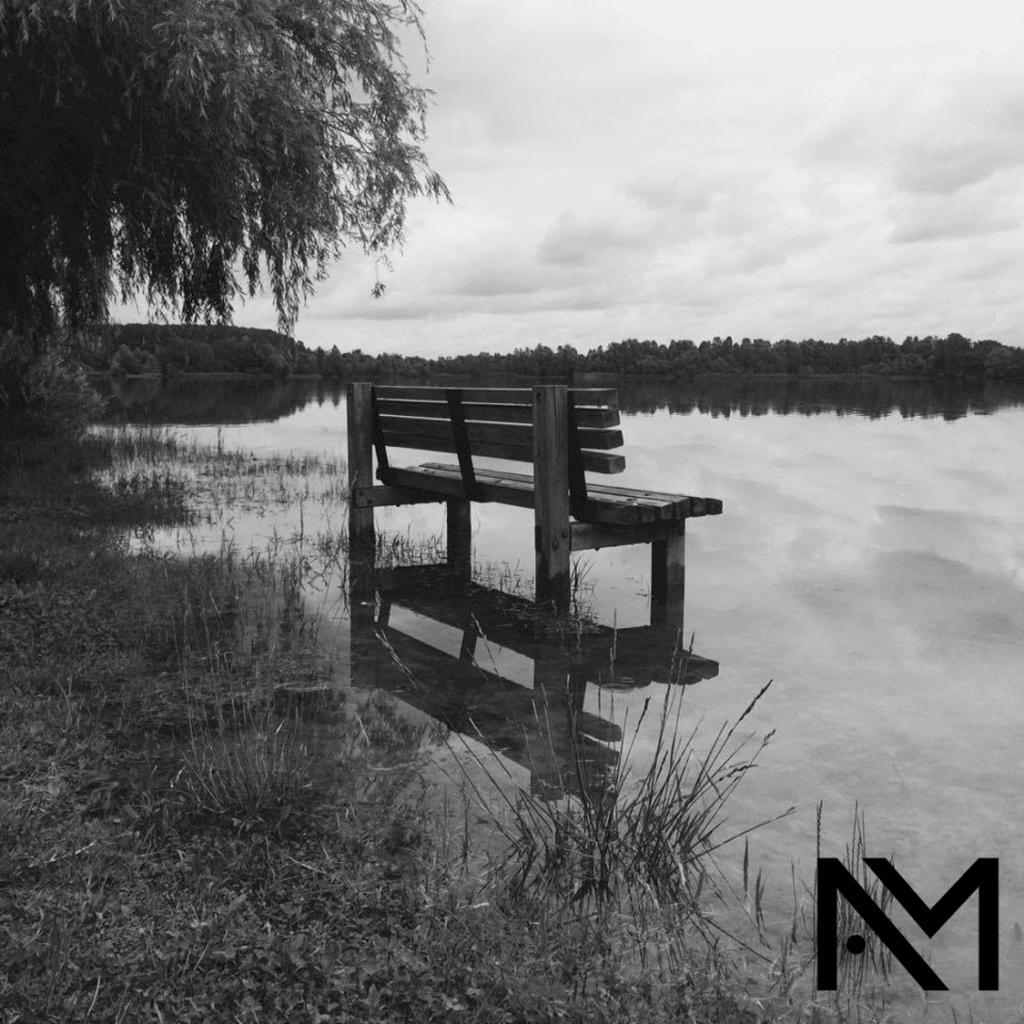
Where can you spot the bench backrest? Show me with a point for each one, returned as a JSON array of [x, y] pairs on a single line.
[[495, 422]]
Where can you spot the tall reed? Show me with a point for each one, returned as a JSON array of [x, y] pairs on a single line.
[[641, 834]]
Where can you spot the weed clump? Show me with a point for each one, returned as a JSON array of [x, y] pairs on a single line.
[[640, 834]]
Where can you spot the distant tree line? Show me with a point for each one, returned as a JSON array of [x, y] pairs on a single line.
[[130, 349], [952, 357]]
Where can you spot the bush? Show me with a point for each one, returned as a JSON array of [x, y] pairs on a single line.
[[125, 361], [45, 395]]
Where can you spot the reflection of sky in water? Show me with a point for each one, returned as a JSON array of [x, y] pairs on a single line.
[[875, 570]]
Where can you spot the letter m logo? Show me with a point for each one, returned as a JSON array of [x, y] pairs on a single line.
[[833, 878]]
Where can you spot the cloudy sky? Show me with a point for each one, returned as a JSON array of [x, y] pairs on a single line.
[[665, 169]]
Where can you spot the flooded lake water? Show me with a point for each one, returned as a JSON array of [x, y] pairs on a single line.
[[869, 561]]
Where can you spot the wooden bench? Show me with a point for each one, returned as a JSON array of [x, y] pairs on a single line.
[[564, 432]]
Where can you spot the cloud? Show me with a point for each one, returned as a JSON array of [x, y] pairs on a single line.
[[762, 253], [575, 242], [681, 193], [972, 129], [500, 276], [972, 213], [944, 168]]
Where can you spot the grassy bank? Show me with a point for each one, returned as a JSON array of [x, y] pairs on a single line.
[[190, 829]]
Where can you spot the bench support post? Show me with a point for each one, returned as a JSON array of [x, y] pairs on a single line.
[[460, 539], [668, 578], [361, 538], [552, 541]]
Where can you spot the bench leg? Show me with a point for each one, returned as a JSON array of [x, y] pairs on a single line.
[[460, 539], [361, 537], [668, 579], [552, 542]]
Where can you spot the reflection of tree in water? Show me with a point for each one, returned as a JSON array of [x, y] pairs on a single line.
[[195, 400], [865, 396]]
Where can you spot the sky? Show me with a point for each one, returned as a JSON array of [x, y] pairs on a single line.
[[664, 169]]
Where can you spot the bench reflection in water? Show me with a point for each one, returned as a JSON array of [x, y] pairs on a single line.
[[494, 667]]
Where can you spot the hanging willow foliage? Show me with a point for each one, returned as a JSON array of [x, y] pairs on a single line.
[[189, 151]]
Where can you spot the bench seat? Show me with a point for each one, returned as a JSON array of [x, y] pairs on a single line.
[[620, 506]]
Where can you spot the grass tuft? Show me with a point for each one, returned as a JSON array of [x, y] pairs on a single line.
[[644, 833]]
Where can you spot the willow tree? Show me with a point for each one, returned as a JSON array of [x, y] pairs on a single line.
[[194, 151]]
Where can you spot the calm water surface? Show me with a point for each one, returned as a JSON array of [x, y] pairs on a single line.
[[870, 561]]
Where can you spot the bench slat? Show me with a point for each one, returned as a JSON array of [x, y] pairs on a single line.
[[515, 452], [508, 489], [670, 506], [626, 509], [608, 397], [450, 483], [381, 495], [474, 411], [595, 462], [519, 434]]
